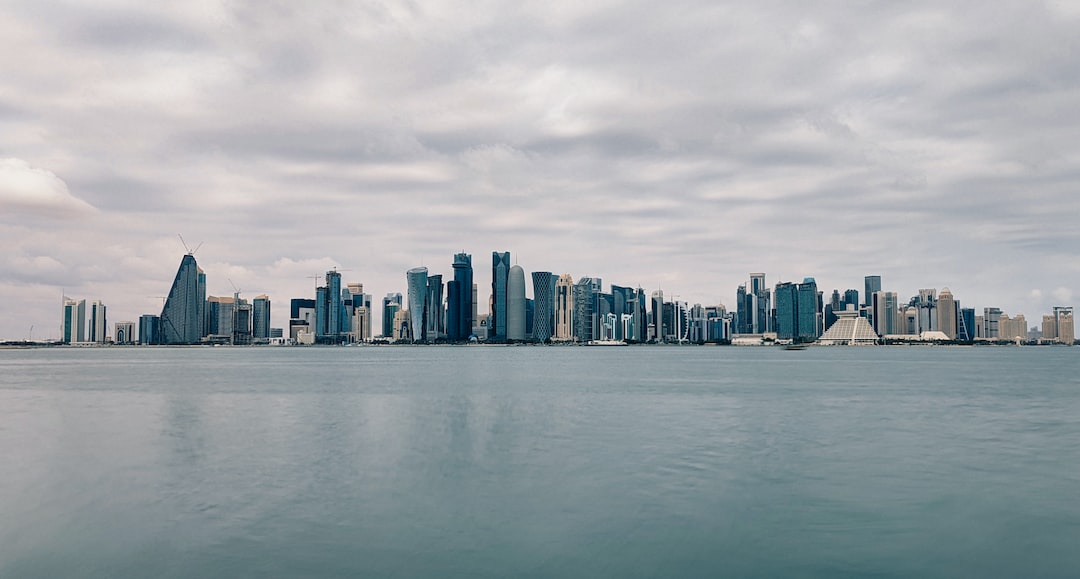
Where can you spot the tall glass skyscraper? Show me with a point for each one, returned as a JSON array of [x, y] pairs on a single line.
[[182, 316], [872, 284], [390, 306], [260, 318], [417, 282], [433, 309], [459, 297], [500, 273], [544, 305]]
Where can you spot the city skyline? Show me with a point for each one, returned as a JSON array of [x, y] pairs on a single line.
[[661, 148], [577, 311]]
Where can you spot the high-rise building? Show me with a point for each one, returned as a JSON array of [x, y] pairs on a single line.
[[515, 304], [97, 322], [809, 310], [948, 314], [74, 321], [329, 310], [851, 297], [564, 308], [543, 306], [991, 323], [391, 304], [149, 329], [884, 306], [871, 284], [260, 318], [965, 330], [301, 317], [656, 302], [785, 296], [416, 279], [182, 318], [586, 310], [459, 300], [500, 272], [124, 333], [1063, 320], [434, 315]]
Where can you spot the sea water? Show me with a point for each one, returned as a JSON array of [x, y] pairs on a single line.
[[540, 462]]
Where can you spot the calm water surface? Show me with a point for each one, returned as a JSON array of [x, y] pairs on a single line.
[[540, 462]]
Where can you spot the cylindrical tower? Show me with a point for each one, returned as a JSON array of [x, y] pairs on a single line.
[[515, 304]]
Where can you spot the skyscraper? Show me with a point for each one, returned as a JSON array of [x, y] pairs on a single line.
[[787, 318], [564, 308], [74, 321], [459, 299], [586, 312], [947, 313], [417, 292], [260, 318], [884, 306], [515, 304], [543, 306], [391, 304], [872, 283], [149, 325], [182, 317], [500, 272], [329, 308], [433, 309], [97, 322], [1063, 320], [657, 305]]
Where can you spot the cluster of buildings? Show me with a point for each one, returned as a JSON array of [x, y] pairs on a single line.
[[564, 310]]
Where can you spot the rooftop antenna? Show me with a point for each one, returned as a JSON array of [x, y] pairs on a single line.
[[190, 251]]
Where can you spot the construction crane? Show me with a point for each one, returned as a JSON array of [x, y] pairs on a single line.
[[190, 251]]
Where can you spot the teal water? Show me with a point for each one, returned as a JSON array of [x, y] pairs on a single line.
[[540, 462]]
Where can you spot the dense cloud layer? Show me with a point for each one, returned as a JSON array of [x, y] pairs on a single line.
[[680, 145]]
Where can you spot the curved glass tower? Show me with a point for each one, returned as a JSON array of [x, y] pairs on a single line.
[[417, 278], [515, 304]]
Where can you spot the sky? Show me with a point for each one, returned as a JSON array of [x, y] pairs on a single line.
[[678, 145]]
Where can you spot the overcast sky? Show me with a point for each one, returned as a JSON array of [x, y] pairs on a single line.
[[679, 145]]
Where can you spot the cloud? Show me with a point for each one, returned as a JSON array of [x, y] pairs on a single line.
[[27, 190], [684, 145], [1063, 295]]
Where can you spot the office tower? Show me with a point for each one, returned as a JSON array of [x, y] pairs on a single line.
[[182, 317], [415, 300], [358, 310], [630, 302], [530, 313], [586, 322], [564, 308], [851, 297], [884, 306], [809, 310], [786, 298], [433, 309], [391, 304], [74, 321], [329, 309], [97, 322], [991, 320], [1063, 320], [926, 302], [221, 316], [543, 306], [836, 304], [500, 271], [656, 302], [947, 313], [965, 328], [515, 304], [871, 283], [459, 300], [148, 329], [260, 318], [753, 306], [402, 326], [301, 317]]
